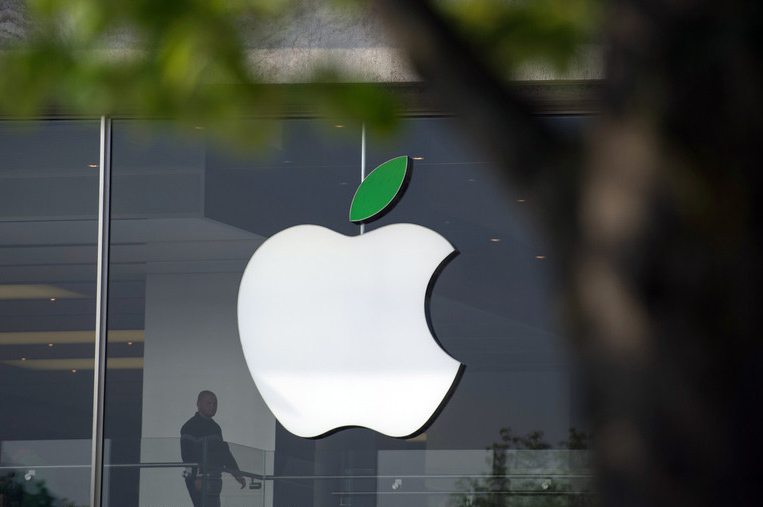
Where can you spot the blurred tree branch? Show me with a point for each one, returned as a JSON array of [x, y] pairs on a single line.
[[657, 234], [501, 123]]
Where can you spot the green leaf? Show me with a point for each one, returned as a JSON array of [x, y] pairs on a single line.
[[378, 192]]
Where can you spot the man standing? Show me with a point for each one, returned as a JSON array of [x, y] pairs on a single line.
[[201, 441]]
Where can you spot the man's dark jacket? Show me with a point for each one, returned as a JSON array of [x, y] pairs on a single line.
[[201, 441]]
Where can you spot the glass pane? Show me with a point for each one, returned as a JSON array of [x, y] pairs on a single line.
[[48, 249], [187, 218], [491, 306], [454, 478]]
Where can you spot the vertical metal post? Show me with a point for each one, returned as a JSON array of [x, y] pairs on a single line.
[[363, 164], [204, 469], [104, 218]]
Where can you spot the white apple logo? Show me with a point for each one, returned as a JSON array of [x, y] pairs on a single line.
[[334, 328]]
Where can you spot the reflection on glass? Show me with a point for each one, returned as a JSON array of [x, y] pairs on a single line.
[[527, 470], [45, 473], [48, 235]]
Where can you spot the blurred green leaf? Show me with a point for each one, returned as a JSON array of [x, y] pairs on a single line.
[[510, 33], [186, 59]]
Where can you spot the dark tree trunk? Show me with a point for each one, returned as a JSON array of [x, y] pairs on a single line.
[[656, 220]]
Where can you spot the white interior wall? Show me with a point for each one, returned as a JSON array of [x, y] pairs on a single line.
[[192, 344]]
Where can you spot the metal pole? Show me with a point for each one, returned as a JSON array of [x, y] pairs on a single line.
[[205, 471], [101, 300], [363, 164]]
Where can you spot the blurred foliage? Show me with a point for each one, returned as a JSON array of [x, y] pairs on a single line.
[[512, 33], [179, 59], [187, 59]]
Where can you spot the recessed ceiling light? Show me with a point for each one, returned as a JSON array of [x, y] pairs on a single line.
[[74, 371], [92, 165], [417, 158], [520, 200], [540, 256], [495, 240], [60, 337], [50, 344], [199, 128], [129, 343], [52, 299], [339, 126], [37, 291], [83, 363]]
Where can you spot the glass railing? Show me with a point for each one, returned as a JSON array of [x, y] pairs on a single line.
[[151, 473], [439, 478], [44, 473]]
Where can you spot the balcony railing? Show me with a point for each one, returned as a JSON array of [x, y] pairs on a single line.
[[150, 473]]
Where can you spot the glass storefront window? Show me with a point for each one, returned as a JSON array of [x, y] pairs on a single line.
[[187, 216], [48, 249]]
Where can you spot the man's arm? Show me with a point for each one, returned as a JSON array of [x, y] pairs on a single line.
[[189, 450], [188, 446], [231, 466]]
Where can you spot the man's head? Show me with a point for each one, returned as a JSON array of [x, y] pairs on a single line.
[[206, 404]]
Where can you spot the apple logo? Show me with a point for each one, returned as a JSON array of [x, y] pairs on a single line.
[[334, 328]]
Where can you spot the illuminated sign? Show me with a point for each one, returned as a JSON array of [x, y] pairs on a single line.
[[334, 328]]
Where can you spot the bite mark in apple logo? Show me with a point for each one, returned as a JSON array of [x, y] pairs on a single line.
[[335, 329]]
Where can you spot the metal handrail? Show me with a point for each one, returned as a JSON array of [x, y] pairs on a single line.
[[169, 464], [252, 475]]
